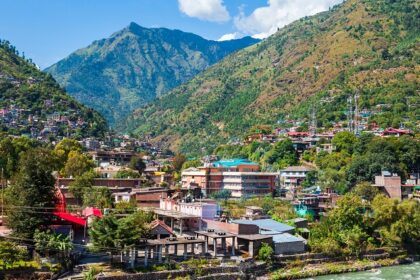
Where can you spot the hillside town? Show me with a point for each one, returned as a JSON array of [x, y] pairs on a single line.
[[215, 209], [210, 139]]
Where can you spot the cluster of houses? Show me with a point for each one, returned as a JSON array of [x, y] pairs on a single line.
[[37, 125]]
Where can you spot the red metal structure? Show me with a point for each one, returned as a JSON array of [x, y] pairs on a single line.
[[60, 210]]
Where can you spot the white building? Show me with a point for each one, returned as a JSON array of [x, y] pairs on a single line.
[[204, 210], [293, 176]]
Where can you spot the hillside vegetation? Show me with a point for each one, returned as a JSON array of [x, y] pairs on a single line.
[[369, 47], [31, 99], [136, 65]]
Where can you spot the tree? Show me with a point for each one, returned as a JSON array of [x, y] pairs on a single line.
[[127, 173], [191, 163], [366, 191], [310, 179], [99, 197], [344, 230], [10, 252], [117, 235], [64, 147], [48, 243], [282, 154], [397, 222], [222, 194], [103, 234], [266, 253], [178, 161], [82, 184], [77, 164], [30, 199], [332, 179], [11, 151], [137, 163], [344, 141]]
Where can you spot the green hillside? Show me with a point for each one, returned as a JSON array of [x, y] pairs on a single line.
[[33, 104], [135, 65], [369, 47]]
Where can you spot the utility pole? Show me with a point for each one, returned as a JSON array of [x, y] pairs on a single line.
[[313, 121], [356, 114], [350, 113]]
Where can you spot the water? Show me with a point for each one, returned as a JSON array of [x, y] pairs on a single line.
[[400, 272]]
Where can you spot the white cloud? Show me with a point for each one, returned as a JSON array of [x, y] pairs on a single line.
[[229, 36], [264, 21], [210, 10]]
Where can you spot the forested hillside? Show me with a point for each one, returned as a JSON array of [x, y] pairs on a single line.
[[33, 104], [135, 65], [368, 47]]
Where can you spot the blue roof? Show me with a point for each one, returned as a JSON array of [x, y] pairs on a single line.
[[286, 237], [232, 162], [267, 224]]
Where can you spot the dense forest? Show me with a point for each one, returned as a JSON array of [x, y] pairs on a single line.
[[363, 47]]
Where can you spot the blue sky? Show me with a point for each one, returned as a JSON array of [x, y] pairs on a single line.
[[49, 30]]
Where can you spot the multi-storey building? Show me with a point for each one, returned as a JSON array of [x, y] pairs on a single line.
[[241, 177], [293, 176]]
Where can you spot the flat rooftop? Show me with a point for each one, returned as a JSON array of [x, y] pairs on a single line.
[[154, 242], [215, 234], [171, 214], [253, 237]]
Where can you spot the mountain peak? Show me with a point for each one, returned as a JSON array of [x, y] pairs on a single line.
[[134, 27], [154, 61]]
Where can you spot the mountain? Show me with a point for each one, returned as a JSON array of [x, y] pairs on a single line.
[[368, 47], [136, 65], [33, 104]]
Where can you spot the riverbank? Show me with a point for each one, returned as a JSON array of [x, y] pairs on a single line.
[[299, 270]]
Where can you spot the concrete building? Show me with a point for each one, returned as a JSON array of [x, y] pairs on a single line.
[[241, 177], [110, 170], [123, 197], [267, 226], [286, 243], [116, 157], [203, 210], [150, 197], [293, 176], [389, 184]]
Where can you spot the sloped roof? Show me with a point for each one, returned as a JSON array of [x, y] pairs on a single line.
[[70, 218], [158, 223]]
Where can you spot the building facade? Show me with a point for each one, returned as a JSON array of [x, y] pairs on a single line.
[[293, 176], [241, 177]]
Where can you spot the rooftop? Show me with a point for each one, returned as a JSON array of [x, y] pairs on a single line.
[[267, 224], [297, 168], [232, 163], [286, 237]]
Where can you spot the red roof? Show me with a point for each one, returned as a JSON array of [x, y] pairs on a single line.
[[297, 134], [158, 222], [392, 130], [70, 218], [92, 211]]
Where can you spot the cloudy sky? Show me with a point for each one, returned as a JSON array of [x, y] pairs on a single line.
[[48, 30]]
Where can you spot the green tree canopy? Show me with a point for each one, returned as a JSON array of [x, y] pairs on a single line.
[[77, 164], [63, 149], [30, 199], [82, 184], [137, 163], [127, 173]]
